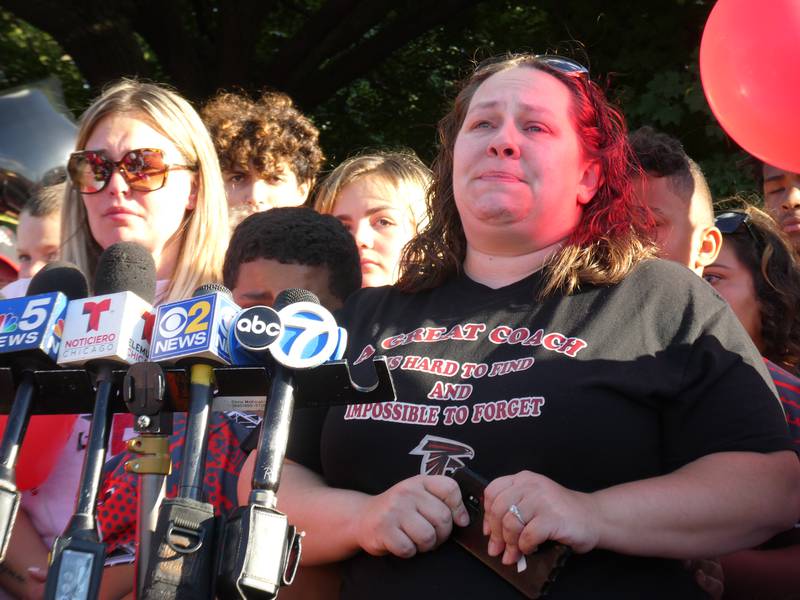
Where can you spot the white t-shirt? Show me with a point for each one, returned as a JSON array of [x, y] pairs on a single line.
[[17, 288]]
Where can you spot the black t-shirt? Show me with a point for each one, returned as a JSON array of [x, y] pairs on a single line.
[[609, 385]]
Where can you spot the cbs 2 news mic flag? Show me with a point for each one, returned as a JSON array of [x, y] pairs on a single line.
[[196, 327], [192, 332], [113, 327]]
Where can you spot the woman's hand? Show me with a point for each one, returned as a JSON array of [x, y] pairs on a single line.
[[708, 575], [415, 515], [544, 511]]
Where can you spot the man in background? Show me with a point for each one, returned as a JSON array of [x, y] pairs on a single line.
[[674, 188], [268, 151], [782, 200]]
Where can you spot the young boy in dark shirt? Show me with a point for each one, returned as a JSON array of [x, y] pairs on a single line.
[[294, 248]]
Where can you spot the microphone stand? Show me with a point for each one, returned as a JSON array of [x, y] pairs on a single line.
[[78, 555], [9, 452], [260, 551], [143, 390], [182, 553]]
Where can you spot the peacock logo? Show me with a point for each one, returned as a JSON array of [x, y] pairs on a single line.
[[58, 329], [8, 323]]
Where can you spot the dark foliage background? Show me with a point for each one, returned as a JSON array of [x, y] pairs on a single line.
[[374, 73]]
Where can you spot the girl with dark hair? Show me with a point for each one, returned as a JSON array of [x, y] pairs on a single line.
[[612, 401], [758, 274]]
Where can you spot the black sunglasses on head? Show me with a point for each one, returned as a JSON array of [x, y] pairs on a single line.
[[562, 64], [735, 221]]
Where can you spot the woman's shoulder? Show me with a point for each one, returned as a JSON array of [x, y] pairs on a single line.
[[370, 298], [659, 269], [667, 299], [670, 283]]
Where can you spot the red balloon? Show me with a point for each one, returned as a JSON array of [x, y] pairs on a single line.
[[750, 68], [44, 440]]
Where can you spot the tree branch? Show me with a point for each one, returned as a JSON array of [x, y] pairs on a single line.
[[363, 57], [320, 26], [99, 38], [240, 24]]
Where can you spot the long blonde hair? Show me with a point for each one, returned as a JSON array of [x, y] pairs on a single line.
[[401, 170], [203, 233]]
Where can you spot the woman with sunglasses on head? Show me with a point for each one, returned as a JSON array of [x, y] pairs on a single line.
[[144, 170], [758, 274], [612, 401]]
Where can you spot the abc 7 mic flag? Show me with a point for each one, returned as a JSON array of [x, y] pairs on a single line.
[[310, 336]]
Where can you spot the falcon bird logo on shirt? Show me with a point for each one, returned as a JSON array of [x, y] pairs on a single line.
[[441, 456]]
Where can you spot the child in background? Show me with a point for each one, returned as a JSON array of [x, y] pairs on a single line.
[[39, 230], [38, 236], [291, 247]]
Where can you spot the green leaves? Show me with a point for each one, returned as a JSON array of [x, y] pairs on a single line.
[[647, 51]]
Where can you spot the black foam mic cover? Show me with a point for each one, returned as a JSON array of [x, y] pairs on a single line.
[[210, 288], [60, 276], [292, 295], [126, 267]]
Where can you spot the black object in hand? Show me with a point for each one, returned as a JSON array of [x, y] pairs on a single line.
[[542, 565]]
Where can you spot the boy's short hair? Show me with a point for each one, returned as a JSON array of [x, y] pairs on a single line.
[[45, 200], [296, 235], [263, 134], [662, 155]]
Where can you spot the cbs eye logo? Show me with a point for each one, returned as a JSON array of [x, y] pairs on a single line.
[[178, 320]]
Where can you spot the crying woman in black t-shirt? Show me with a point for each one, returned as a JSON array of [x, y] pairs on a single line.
[[607, 397]]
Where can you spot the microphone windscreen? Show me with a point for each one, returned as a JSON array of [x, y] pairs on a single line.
[[210, 288], [59, 276], [126, 267], [292, 295]]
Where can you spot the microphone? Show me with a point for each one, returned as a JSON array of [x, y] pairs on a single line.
[[111, 328], [192, 333], [260, 551], [256, 329], [30, 337], [253, 331], [114, 326]]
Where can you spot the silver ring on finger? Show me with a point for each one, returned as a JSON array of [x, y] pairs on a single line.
[[514, 510]]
